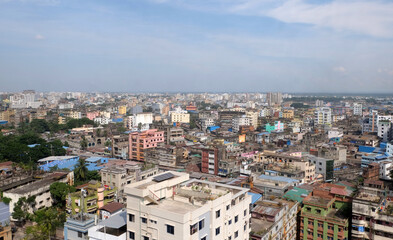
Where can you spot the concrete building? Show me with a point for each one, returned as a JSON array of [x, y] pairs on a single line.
[[112, 228], [274, 220], [140, 141], [323, 166], [357, 109], [253, 118], [288, 113], [384, 130], [325, 213], [211, 158], [38, 189], [77, 226], [372, 213], [170, 206], [97, 195], [240, 121], [180, 117], [120, 175], [323, 116], [274, 98], [122, 110]]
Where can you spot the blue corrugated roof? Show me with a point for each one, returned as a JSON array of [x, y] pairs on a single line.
[[278, 178], [4, 213], [366, 149], [254, 197]]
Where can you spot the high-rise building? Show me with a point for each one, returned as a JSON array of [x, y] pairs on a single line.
[[357, 109], [323, 116], [170, 206], [274, 98]]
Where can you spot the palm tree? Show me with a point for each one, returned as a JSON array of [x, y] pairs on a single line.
[[81, 170]]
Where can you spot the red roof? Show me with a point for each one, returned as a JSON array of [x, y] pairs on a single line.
[[338, 191], [112, 207]]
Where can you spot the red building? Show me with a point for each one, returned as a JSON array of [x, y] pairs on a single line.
[[210, 159]]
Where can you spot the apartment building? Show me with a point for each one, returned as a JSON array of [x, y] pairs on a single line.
[[290, 162], [180, 117], [170, 206], [39, 189], [140, 141], [240, 121], [122, 110], [325, 213], [253, 118], [323, 116], [274, 220], [211, 157], [357, 109], [372, 213]]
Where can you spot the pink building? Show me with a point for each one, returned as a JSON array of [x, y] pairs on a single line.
[[139, 141], [92, 115]]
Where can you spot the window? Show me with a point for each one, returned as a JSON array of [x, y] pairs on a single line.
[[145, 238], [201, 224], [217, 231], [131, 235], [79, 234], [318, 211], [193, 229], [217, 213], [236, 234], [204, 238], [170, 229], [228, 206], [308, 209], [131, 217], [236, 218], [230, 222], [230, 238], [144, 220], [245, 212]]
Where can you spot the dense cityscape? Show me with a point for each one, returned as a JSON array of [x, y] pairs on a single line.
[[200, 166]]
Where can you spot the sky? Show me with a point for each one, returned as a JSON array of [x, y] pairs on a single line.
[[197, 45]]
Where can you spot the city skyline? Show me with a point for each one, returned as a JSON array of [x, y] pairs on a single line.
[[210, 46]]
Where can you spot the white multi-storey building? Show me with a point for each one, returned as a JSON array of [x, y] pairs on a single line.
[[323, 116], [240, 121], [170, 206], [357, 109]]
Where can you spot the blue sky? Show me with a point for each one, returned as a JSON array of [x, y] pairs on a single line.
[[196, 45]]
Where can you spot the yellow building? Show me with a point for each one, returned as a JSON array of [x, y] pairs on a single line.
[[180, 117], [289, 113], [5, 233], [62, 120], [6, 115], [122, 110]]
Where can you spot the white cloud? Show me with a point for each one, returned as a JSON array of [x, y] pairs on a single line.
[[339, 69], [39, 37], [374, 18]]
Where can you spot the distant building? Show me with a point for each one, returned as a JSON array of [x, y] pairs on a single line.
[[323, 116], [274, 98], [357, 109]]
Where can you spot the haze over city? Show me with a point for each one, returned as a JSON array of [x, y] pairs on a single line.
[[196, 46]]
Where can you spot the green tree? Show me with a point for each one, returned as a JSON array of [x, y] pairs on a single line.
[[83, 143], [47, 219], [59, 192], [93, 175], [21, 209], [81, 170]]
